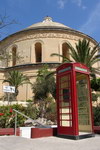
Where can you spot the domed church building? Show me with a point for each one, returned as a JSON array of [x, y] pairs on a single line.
[[35, 44]]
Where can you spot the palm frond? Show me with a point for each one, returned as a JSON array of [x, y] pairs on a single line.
[[83, 53], [16, 78], [50, 74]]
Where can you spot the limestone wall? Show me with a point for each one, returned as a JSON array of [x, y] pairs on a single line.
[[51, 42]]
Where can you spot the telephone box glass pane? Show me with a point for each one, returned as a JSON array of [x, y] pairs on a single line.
[[65, 101], [83, 98]]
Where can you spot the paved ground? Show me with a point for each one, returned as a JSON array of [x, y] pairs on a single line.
[[49, 143]]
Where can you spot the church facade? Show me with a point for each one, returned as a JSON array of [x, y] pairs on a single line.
[[34, 45]]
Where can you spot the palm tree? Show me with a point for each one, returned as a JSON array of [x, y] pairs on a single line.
[[82, 53], [16, 79]]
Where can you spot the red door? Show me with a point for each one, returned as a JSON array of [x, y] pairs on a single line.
[[64, 104]]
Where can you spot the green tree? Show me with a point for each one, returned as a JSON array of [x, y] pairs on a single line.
[[32, 111], [42, 89], [51, 112], [16, 78], [95, 84], [84, 54], [96, 112]]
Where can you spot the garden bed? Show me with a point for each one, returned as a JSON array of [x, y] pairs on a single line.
[[9, 131], [97, 129], [43, 132]]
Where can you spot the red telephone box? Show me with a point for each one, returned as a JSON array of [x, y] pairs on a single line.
[[74, 107]]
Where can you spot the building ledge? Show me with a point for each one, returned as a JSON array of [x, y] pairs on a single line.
[[31, 65]]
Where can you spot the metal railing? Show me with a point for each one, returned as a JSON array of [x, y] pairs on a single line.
[[33, 121]]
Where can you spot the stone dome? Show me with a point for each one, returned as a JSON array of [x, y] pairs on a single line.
[[47, 23]]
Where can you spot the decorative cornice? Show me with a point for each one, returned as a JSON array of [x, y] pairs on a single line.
[[48, 35], [49, 32], [31, 65]]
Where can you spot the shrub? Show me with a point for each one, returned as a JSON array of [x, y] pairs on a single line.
[[51, 112], [96, 112], [32, 111], [8, 119], [94, 97]]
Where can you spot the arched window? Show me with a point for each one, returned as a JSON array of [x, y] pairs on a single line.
[[38, 52], [65, 50], [14, 51]]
